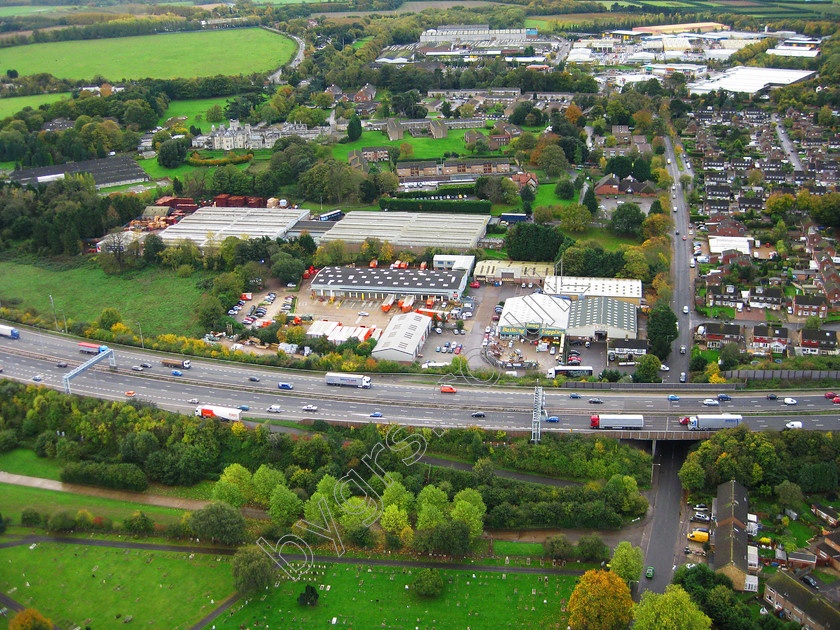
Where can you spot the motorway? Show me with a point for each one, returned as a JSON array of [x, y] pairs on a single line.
[[410, 399]]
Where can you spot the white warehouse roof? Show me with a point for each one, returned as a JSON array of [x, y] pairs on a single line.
[[749, 80], [403, 337], [410, 229], [581, 287], [212, 224], [719, 244], [537, 310]]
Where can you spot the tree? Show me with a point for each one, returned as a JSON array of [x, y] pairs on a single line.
[[558, 547], [406, 150], [543, 214], [647, 371], [428, 583], [394, 519], [484, 470], [309, 597], [590, 201], [673, 609], [656, 225], [590, 548], [469, 514], [153, 245], [627, 562], [600, 601], [263, 483], [171, 153], [108, 317], [575, 217], [813, 322], [627, 220], [553, 160], [354, 128], [635, 265], [253, 570], [287, 268], [12, 73], [692, 475], [214, 114], [730, 356], [641, 169], [790, 495], [662, 329], [219, 521], [565, 188], [30, 619], [529, 241]]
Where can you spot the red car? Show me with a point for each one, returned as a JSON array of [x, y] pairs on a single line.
[[831, 395], [448, 389], [836, 401], [684, 420], [475, 285]]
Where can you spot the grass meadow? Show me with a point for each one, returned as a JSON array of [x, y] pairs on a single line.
[[194, 110], [11, 106], [157, 299], [424, 148], [192, 54], [78, 586], [507, 548], [374, 597]]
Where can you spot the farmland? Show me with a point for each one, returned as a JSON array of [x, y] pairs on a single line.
[[159, 300], [363, 597], [155, 589], [10, 106], [229, 51]]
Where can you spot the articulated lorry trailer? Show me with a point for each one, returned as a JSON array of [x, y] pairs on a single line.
[[222, 413], [626, 421], [177, 363], [350, 380], [714, 422], [8, 331]]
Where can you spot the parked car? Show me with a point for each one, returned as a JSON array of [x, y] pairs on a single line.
[[700, 516], [664, 368], [810, 582], [474, 284], [700, 507]]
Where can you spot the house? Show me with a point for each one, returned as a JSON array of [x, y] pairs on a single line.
[[607, 185], [526, 179], [621, 133], [791, 599], [423, 168], [394, 129], [773, 339], [826, 513], [365, 110], [807, 305], [717, 295], [375, 154], [628, 349], [488, 166], [823, 342], [337, 93], [732, 505], [365, 95], [716, 334], [766, 297], [718, 191], [733, 556], [828, 551]]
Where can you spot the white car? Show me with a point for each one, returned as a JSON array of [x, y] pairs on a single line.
[[364, 314], [711, 402], [790, 401], [310, 408], [664, 368], [793, 424], [685, 310]]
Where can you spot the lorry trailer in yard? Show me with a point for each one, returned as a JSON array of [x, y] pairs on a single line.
[[626, 421], [222, 413], [10, 332], [350, 380]]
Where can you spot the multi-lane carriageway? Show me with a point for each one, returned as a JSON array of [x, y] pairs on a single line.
[[406, 399]]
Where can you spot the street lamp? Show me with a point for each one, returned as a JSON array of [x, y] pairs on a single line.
[[55, 319], [142, 344]]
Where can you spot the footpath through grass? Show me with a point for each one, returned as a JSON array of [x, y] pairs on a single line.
[[78, 586], [165, 56], [373, 597], [157, 299]]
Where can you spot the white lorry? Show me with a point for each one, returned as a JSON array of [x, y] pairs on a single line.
[[350, 380], [222, 413], [713, 422], [10, 332]]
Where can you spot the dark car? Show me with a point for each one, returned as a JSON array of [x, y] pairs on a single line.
[[724, 397], [477, 414], [810, 582], [576, 342], [772, 397], [596, 401], [61, 364], [574, 395], [146, 365], [243, 407], [254, 379]]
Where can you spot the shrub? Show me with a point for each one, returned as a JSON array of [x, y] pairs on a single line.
[[139, 524], [84, 520], [103, 523], [8, 440], [119, 476], [428, 583], [30, 517], [62, 521], [45, 444]]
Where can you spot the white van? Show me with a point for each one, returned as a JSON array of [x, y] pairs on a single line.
[[793, 424]]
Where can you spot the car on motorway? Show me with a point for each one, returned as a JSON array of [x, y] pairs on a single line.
[[810, 582], [474, 284], [376, 414], [790, 401], [274, 409], [37, 378], [177, 373], [254, 379], [649, 573], [711, 402], [793, 424], [447, 389], [682, 377], [724, 397], [836, 401], [478, 414], [310, 408], [61, 364], [831, 395], [596, 401], [243, 407], [193, 401], [552, 419], [684, 420], [146, 365], [574, 395], [130, 393], [673, 397], [772, 397], [136, 368], [282, 385]]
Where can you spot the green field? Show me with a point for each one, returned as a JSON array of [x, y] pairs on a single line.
[[21, 10], [362, 597], [23, 461], [424, 148], [505, 548], [77, 586], [156, 299], [609, 241], [10, 106], [192, 109], [15, 499], [545, 197], [205, 53], [156, 171]]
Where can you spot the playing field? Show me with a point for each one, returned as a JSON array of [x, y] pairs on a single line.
[[376, 597], [79, 586], [10, 106], [193, 110], [205, 53]]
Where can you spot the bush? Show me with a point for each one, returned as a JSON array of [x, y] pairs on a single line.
[[84, 520], [103, 523], [428, 583], [8, 440], [118, 476], [62, 521], [45, 444], [30, 517], [138, 523]]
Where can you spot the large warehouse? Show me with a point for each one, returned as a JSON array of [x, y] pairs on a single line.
[[375, 283], [213, 225], [410, 230], [403, 337], [602, 318], [578, 287], [512, 271], [749, 80], [119, 170]]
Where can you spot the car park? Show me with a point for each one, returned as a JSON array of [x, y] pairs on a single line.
[[724, 397], [136, 368], [310, 408], [477, 414], [790, 401], [447, 389], [711, 402], [596, 401], [673, 397]]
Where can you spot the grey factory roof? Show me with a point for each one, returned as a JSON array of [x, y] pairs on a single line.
[[212, 224], [604, 311], [109, 171], [411, 229], [387, 280]]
